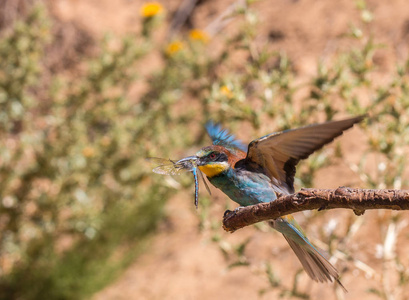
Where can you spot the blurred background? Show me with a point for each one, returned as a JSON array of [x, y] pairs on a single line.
[[90, 88]]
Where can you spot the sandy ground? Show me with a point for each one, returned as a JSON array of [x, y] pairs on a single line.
[[183, 262]]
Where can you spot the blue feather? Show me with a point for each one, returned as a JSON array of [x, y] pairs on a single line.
[[221, 137]]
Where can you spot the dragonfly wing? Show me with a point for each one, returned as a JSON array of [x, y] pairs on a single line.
[[165, 166], [167, 170]]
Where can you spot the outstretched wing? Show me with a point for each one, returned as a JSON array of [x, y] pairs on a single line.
[[222, 137], [278, 153]]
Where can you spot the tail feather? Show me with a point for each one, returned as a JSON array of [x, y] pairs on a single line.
[[314, 263]]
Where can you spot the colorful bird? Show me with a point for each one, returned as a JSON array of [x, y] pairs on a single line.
[[255, 174]]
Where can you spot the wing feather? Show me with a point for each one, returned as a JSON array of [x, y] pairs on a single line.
[[222, 137], [278, 153]]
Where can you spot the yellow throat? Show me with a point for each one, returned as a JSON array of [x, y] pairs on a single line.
[[214, 169]]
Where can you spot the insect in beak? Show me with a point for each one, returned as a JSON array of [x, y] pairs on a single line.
[[170, 167], [190, 163]]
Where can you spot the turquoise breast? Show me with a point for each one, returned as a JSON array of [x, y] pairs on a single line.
[[244, 187]]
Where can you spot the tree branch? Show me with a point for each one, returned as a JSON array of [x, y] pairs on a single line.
[[358, 200]]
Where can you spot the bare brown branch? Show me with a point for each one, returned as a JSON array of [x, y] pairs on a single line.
[[358, 200]]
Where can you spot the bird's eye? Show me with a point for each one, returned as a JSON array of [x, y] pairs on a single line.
[[212, 155]]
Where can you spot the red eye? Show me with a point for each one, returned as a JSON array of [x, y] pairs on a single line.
[[212, 155]]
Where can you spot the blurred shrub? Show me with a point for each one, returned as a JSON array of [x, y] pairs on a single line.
[[77, 199], [72, 192]]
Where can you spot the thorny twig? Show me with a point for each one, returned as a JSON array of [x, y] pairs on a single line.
[[225, 17], [181, 16]]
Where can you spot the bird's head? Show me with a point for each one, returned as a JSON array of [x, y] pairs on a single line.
[[213, 160]]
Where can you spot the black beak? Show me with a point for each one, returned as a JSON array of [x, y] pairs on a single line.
[[189, 162]]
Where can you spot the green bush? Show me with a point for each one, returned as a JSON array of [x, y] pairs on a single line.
[[72, 167], [77, 198]]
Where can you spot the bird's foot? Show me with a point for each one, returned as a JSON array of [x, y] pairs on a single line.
[[229, 213], [237, 209]]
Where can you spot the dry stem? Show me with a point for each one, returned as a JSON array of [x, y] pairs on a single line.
[[358, 200]]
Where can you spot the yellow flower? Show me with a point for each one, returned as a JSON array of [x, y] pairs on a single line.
[[199, 35], [88, 152], [174, 47], [226, 91], [151, 9]]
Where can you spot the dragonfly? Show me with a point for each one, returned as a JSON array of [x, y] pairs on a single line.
[[166, 166]]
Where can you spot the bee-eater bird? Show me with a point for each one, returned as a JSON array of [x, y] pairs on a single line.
[[255, 174]]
